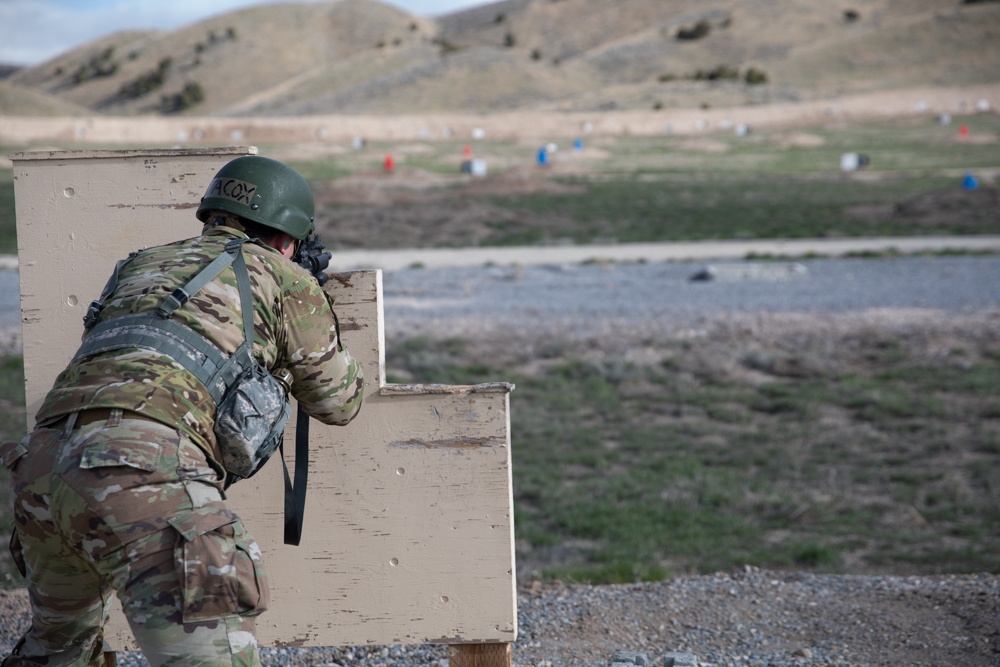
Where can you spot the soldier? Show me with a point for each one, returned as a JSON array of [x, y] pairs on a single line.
[[120, 487]]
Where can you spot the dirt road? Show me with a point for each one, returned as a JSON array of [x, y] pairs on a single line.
[[654, 252]]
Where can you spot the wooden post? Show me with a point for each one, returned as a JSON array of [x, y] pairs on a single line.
[[479, 655]]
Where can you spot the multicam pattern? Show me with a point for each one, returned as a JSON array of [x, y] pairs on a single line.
[[132, 506], [133, 503], [293, 328]]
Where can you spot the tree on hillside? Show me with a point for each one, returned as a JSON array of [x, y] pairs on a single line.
[[697, 31]]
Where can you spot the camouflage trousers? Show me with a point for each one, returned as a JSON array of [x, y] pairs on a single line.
[[133, 507]]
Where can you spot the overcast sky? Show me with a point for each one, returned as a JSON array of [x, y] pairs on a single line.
[[32, 31]]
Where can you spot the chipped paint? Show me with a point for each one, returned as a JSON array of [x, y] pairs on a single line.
[[419, 389], [451, 443]]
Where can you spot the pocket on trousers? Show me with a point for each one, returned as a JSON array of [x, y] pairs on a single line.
[[31, 458], [124, 449], [220, 567]]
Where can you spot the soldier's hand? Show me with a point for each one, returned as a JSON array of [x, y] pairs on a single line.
[[313, 259]]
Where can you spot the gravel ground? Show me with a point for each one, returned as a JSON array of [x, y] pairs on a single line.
[[567, 300], [557, 298], [745, 618]]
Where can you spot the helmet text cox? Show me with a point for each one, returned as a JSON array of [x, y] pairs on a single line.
[[240, 192]]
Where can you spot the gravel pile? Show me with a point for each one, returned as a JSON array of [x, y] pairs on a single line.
[[750, 618]]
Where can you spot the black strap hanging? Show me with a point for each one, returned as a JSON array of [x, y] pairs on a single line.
[[295, 495]]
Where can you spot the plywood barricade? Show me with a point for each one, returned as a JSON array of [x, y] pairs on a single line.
[[408, 535]]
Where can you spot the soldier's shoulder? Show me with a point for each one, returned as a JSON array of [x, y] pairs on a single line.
[[285, 271]]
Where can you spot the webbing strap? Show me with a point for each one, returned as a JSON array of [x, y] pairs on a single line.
[[295, 495], [202, 278], [243, 284], [94, 310], [160, 333], [193, 351]]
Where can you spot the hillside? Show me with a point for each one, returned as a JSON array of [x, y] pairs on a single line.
[[361, 56], [18, 101]]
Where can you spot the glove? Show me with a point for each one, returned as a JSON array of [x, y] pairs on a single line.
[[312, 258]]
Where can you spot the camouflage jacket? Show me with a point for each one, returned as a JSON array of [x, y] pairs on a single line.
[[294, 328]]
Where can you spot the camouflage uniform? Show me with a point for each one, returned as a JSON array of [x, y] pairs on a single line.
[[120, 486]]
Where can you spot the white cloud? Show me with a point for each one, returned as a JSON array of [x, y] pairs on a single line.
[[33, 31]]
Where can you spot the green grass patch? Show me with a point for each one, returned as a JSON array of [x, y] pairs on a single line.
[[12, 401], [626, 472], [622, 572], [720, 206], [8, 227], [12, 380]]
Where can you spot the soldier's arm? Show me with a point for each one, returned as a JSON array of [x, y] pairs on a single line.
[[326, 380]]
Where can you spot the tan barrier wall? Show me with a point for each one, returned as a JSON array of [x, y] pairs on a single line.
[[408, 533]]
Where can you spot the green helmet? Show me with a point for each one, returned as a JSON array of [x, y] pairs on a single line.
[[264, 191]]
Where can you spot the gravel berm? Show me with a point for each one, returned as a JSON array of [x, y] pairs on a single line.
[[745, 618]]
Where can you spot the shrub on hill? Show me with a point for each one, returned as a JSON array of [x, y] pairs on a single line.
[[214, 39], [192, 94], [697, 31], [444, 45], [146, 83], [719, 73], [754, 76], [98, 66]]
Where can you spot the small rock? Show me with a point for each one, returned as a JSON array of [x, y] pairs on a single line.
[[630, 658], [680, 660]]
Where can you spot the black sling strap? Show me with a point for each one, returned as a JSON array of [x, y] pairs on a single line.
[[295, 496]]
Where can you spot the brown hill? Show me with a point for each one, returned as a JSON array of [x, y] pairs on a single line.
[[361, 56], [19, 101]]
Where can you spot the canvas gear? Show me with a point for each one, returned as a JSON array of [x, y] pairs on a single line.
[[252, 405]]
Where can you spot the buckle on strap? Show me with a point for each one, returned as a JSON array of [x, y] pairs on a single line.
[[176, 299], [93, 314]]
